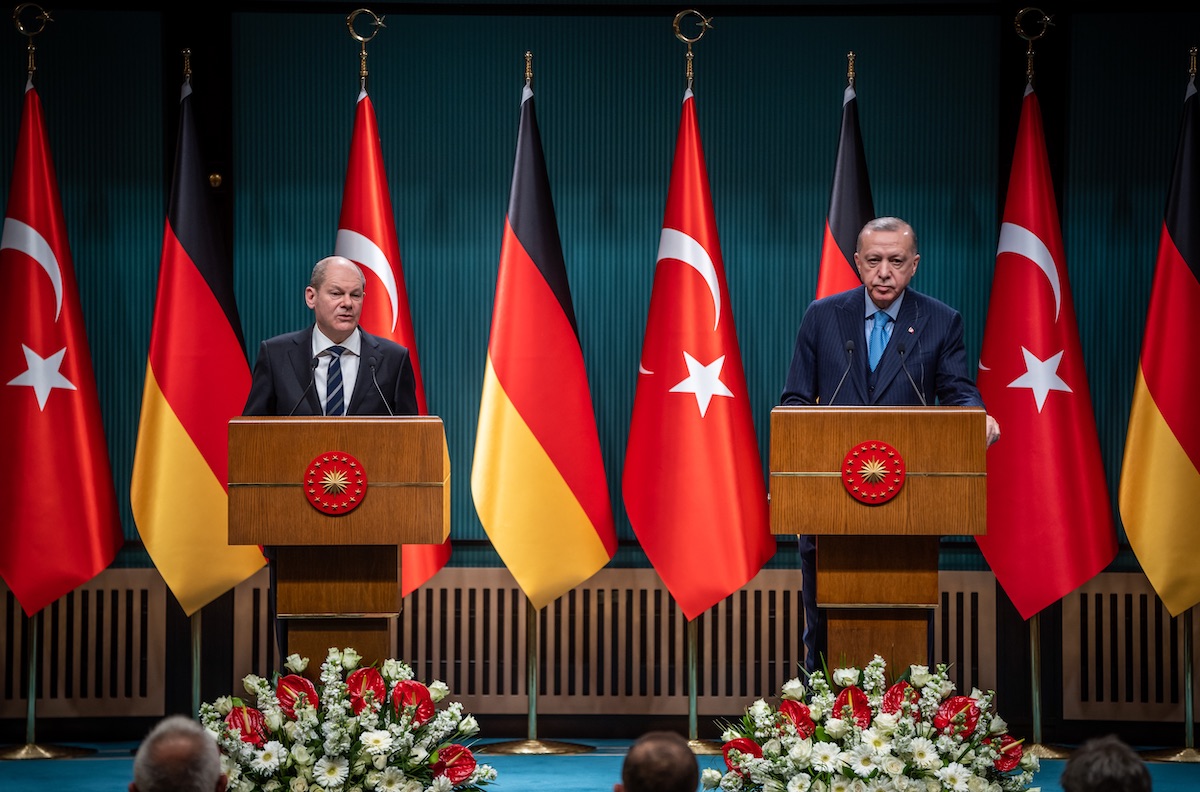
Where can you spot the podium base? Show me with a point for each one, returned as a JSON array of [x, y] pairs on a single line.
[[534, 747], [35, 751]]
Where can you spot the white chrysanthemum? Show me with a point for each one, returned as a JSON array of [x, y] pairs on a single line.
[[331, 771], [710, 778], [377, 742], [862, 760], [844, 677], [794, 690], [877, 741], [267, 760], [441, 784], [391, 780], [954, 777], [840, 784], [837, 728], [924, 754], [800, 782], [826, 757]]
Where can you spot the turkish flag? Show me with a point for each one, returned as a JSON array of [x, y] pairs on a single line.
[[1050, 527], [60, 524], [693, 478], [367, 236]]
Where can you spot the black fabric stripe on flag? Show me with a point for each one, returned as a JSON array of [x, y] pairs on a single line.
[[194, 220], [1183, 202], [850, 205], [531, 210]]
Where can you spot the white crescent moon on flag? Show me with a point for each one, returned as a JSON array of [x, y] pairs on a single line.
[[1023, 242], [24, 238], [368, 255], [674, 244]]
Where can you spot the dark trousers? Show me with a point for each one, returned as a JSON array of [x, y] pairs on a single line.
[[814, 622]]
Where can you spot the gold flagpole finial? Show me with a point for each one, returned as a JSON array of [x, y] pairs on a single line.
[[528, 69], [1046, 23], [705, 24], [187, 64], [850, 56], [38, 18], [376, 23], [1192, 63]]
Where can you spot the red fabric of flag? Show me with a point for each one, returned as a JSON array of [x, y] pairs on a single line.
[[1050, 527], [60, 528], [367, 236], [1160, 476], [850, 205], [197, 379], [693, 478], [538, 475]]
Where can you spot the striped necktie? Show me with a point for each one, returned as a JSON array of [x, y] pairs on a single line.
[[335, 402]]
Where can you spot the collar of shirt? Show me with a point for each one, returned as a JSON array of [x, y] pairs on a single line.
[[321, 342], [870, 308]]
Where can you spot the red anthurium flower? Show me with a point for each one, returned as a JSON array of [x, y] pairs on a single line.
[[957, 715], [897, 694], [364, 683], [859, 707], [798, 713], [288, 691], [1010, 753], [250, 723], [408, 693], [742, 744], [455, 762]]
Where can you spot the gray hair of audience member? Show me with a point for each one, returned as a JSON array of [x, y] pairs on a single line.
[[660, 761], [1105, 764], [178, 755]]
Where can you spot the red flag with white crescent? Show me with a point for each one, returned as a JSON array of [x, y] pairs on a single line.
[[693, 479], [60, 526], [1050, 527], [367, 236]]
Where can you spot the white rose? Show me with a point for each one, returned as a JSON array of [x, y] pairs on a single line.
[[271, 786], [379, 761], [893, 765], [392, 669], [771, 785], [998, 725], [845, 677], [886, 722], [438, 690], [301, 755], [295, 663], [224, 705], [298, 784], [759, 710], [800, 752], [350, 659], [919, 675], [274, 720], [836, 728], [710, 778], [794, 689], [469, 725], [413, 786]]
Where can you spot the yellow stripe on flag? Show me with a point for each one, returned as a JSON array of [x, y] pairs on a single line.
[[1159, 501], [533, 519], [182, 510]]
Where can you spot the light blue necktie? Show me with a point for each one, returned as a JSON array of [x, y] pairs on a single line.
[[335, 403], [878, 338]]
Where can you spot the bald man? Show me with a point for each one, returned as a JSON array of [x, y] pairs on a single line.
[[659, 761], [178, 755]]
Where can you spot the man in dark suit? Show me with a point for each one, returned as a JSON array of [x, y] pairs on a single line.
[[879, 344], [332, 367], [291, 375]]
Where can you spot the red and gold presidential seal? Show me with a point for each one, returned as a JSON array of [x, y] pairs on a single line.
[[335, 482], [873, 472]]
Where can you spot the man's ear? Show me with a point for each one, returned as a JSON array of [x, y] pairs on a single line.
[[617, 787], [222, 783], [132, 787]]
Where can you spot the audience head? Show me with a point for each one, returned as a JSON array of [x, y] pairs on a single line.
[[1105, 764], [659, 761], [178, 755]]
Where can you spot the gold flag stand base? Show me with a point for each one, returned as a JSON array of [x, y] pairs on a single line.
[[704, 747], [1043, 751], [534, 747], [1172, 755], [35, 751]]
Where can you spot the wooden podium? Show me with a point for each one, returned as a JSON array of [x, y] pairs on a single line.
[[877, 563], [338, 575]]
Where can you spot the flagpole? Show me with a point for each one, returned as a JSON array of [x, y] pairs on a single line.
[[697, 745], [1038, 749], [196, 623], [1188, 753], [31, 750], [532, 745]]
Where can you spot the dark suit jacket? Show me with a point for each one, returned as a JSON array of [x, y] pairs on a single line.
[[283, 378], [927, 339]]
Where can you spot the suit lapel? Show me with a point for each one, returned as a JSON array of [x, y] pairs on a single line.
[[364, 384], [850, 325]]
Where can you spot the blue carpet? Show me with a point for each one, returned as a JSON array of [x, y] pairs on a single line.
[[110, 770]]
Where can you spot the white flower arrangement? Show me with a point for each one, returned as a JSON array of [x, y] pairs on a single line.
[[368, 730], [911, 736]]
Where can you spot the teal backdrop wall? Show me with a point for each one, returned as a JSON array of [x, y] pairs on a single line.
[[939, 88]]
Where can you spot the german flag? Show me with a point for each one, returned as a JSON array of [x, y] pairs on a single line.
[[1159, 494], [197, 379], [850, 204], [538, 478]]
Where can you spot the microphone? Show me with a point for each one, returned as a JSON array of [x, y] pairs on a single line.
[[849, 361], [312, 379], [379, 390], [904, 365]]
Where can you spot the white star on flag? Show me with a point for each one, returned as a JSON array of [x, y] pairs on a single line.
[[1041, 376], [42, 375], [704, 381]]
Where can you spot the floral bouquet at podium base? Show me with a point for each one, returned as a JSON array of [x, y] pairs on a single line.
[[861, 734], [366, 729]]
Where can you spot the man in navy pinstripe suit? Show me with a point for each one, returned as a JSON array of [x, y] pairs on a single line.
[[879, 344]]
